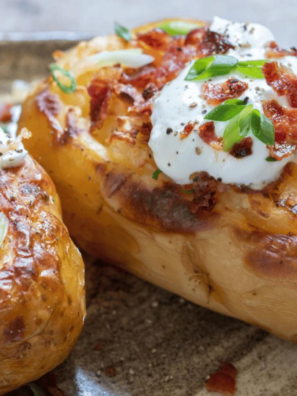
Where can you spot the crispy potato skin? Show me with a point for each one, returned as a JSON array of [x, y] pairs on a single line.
[[42, 303], [239, 260]]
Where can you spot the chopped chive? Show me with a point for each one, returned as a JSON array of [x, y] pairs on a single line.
[[271, 159], [68, 89], [156, 174], [122, 32]]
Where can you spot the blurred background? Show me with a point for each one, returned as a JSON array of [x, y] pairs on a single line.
[[98, 16]]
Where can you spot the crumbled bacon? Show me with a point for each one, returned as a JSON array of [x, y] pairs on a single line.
[[285, 126], [284, 120], [223, 381], [146, 128], [100, 93], [243, 148], [5, 112], [156, 38], [149, 91], [187, 130], [208, 135], [281, 80], [217, 93], [128, 93], [205, 188], [207, 42], [274, 51], [140, 77], [144, 108]]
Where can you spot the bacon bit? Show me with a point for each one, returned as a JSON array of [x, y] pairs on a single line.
[[205, 188], [47, 103], [98, 347], [243, 148], [110, 371], [100, 94], [146, 128], [285, 126], [49, 384], [208, 43], [275, 52], [71, 129], [156, 38], [284, 120], [282, 81], [142, 108], [128, 93], [223, 381], [139, 78], [5, 112], [208, 135], [217, 93], [187, 130], [149, 91]]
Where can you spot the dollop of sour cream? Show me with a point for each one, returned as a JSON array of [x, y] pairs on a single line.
[[180, 102], [12, 151]]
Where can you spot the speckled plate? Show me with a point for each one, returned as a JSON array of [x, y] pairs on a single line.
[[139, 340]]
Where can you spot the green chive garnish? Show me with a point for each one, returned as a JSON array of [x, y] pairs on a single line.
[[226, 111], [68, 89], [220, 65], [178, 28], [237, 128], [155, 175], [122, 32], [271, 159], [262, 127]]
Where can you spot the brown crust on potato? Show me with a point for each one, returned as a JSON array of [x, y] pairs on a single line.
[[270, 256], [35, 293]]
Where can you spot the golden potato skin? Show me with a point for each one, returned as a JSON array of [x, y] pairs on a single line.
[[240, 259], [42, 301]]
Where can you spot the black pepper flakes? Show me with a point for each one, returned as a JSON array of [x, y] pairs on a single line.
[[169, 131]]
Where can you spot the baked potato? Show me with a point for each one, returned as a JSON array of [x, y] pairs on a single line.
[[42, 303], [229, 248]]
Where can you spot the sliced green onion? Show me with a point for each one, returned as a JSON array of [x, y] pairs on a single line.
[[262, 127], [3, 227], [252, 68], [68, 89], [178, 28], [122, 32], [220, 65], [211, 66], [226, 111], [4, 128], [271, 159], [156, 174], [237, 128], [36, 389]]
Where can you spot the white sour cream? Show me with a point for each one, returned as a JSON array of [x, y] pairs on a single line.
[[180, 158], [12, 152]]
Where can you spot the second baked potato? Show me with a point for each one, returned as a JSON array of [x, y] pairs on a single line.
[[42, 296]]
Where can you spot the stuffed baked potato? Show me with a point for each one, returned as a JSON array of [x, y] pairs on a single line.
[[230, 248], [42, 303]]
